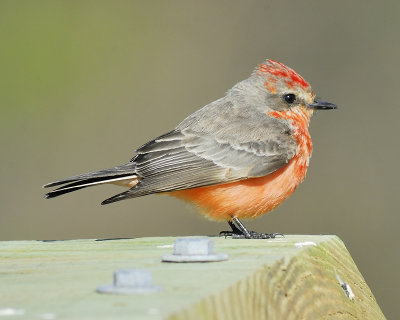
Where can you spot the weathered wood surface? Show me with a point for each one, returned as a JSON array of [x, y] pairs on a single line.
[[263, 279]]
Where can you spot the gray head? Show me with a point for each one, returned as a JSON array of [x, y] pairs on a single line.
[[274, 86]]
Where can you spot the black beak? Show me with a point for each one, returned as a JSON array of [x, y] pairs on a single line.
[[322, 105]]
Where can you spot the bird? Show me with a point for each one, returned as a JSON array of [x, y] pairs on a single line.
[[238, 157]]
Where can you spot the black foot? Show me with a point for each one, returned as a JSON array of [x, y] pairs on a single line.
[[236, 233], [227, 234], [240, 232], [256, 235]]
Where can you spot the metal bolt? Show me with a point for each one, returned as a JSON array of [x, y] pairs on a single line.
[[194, 250], [130, 281]]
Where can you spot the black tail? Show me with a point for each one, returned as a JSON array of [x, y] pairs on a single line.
[[115, 174]]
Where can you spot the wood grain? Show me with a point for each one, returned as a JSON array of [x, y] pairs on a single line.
[[304, 286]]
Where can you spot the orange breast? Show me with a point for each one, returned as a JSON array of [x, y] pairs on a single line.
[[247, 198], [252, 197]]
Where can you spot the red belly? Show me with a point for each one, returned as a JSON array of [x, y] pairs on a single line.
[[247, 198]]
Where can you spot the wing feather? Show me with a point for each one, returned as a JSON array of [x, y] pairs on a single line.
[[183, 159]]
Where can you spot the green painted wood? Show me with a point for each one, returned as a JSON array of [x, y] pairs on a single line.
[[263, 279]]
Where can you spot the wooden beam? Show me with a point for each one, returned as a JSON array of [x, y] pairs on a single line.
[[295, 277]]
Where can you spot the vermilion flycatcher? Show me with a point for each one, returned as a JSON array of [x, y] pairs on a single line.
[[237, 157]]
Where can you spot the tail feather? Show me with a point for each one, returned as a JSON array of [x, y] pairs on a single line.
[[57, 192], [118, 171], [118, 197], [112, 175]]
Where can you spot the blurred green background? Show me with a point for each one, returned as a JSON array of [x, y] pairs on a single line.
[[84, 83]]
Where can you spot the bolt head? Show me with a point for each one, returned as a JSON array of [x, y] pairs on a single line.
[[193, 246], [133, 281], [135, 278]]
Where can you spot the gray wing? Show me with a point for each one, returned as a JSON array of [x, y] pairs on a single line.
[[197, 155]]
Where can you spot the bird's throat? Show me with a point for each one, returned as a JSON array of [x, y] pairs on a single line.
[[299, 120]]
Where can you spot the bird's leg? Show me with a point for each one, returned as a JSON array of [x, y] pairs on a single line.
[[235, 231], [239, 231], [239, 225]]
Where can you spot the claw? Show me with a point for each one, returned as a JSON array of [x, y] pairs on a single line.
[[226, 234], [277, 234], [239, 236], [256, 235], [252, 235]]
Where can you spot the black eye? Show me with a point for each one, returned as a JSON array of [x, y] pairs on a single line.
[[289, 98]]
